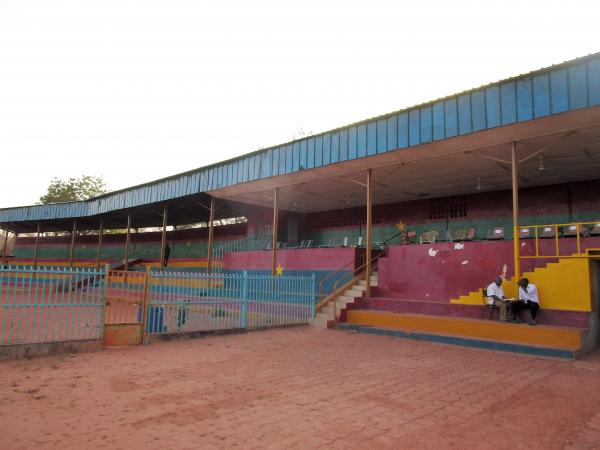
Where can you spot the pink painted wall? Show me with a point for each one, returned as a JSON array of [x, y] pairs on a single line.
[[413, 272], [294, 259]]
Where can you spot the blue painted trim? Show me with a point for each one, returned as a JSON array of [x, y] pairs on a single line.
[[463, 342], [573, 85]]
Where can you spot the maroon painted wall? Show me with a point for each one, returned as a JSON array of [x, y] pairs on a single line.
[[411, 272], [295, 259]]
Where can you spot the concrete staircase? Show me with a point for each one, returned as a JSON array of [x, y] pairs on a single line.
[[325, 318]]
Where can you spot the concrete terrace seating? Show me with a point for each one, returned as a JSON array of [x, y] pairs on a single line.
[[559, 333], [543, 340], [380, 301]]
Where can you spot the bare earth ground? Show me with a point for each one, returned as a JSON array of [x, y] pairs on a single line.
[[299, 388]]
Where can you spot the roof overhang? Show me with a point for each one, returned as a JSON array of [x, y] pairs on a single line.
[[569, 145]]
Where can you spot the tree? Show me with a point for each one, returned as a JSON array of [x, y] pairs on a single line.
[[74, 189]]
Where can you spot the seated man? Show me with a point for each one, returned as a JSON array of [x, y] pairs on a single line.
[[496, 297], [528, 299]]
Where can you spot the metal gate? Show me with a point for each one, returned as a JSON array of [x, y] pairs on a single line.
[[124, 307]]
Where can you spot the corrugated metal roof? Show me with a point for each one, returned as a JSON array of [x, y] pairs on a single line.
[[563, 87]]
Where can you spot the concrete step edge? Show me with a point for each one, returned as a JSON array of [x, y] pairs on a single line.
[[465, 341]]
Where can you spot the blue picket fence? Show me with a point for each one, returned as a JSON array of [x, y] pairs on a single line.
[[49, 304], [46, 304], [188, 301]]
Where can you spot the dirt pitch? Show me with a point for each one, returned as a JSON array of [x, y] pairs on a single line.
[[299, 388]]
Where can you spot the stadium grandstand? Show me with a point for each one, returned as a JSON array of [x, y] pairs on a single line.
[[403, 219]]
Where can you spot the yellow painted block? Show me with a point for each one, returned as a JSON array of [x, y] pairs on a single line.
[[565, 285], [472, 298], [554, 337]]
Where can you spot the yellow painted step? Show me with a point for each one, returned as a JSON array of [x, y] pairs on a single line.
[[564, 285], [547, 336], [472, 298]]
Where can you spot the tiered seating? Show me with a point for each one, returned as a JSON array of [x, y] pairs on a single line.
[[380, 302], [561, 342], [562, 330]]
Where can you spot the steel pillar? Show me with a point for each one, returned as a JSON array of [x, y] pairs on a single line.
[[100, 231], [73, 234], [37, 245], [369, 234], [163, 239], [4, 246], [211, 219], [515, 207], [275, 225], [127, 239]]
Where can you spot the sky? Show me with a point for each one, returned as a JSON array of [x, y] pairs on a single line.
[[138, 90]]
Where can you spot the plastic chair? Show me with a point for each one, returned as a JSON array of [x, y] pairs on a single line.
[[495, 234], [525, 233], [428, 237], [547, 233], [471, 233], [571, 231], [491, 307], [460, 235]]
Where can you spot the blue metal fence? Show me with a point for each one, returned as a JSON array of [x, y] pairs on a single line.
[[52, 304], [48, 304], [185, 301]]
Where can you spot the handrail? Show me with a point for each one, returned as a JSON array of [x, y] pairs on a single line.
[[319, 291], [592, 222], [578, 232], [350, 263], [392, 237], [336, 290]]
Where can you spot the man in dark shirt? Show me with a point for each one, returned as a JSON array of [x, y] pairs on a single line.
[[167, 254]]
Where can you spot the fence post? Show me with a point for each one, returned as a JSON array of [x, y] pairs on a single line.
[[145, 303], [313, 295], [104, 298], [244, 319]]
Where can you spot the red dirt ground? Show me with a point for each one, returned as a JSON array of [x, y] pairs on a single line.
[[299, 388]]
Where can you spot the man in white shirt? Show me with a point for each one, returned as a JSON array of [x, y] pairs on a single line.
[[528, 298], [495, 295]]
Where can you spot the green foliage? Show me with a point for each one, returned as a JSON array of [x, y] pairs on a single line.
[[74, 189]]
